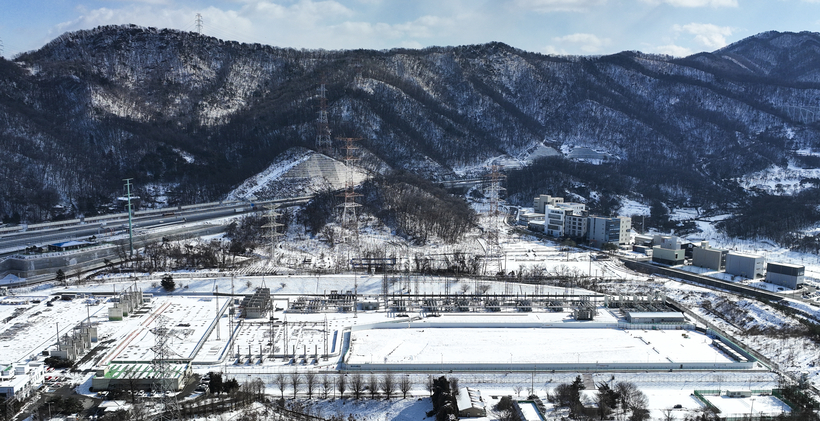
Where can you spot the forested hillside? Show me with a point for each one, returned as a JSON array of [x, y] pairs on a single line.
[[197, 115]]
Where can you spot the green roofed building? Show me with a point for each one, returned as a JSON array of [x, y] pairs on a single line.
[[140, 376]]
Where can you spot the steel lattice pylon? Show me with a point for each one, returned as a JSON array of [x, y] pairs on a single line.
[[161, 366], [272, 227], [494, 191], [349, 221], [323, 142]]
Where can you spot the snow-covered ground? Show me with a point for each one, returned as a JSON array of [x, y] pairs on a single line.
[[779, 180]]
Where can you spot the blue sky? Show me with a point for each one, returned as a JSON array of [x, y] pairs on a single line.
[[585, 27]]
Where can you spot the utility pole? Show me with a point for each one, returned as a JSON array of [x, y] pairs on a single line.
[[130, 222], [216, 296], [199, 24]]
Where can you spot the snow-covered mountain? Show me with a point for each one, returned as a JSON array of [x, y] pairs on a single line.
[[201, 115]]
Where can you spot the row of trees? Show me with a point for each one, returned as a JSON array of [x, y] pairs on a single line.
[[357, 384]]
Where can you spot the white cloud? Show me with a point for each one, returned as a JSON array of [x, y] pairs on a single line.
[[546, 6], [587, 43], [706, 34], [695, 3], [672, 50]]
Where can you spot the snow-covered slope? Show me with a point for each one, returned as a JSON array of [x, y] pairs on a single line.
[[297, 172]]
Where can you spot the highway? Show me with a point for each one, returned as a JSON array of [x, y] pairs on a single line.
[[45, 234]]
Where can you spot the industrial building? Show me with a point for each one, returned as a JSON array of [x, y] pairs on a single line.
[[666, 241], [651, 317], [257, 305], [18, 381], [141, 376], [602, 230], [784, 274], [707, 257], [745, 265], [671, 257]]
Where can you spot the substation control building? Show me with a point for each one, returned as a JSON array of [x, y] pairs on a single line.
[[669, 257], [745, 265], [784, 274], [710, 258]]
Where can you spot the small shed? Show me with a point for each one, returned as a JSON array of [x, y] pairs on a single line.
[[470, 403]]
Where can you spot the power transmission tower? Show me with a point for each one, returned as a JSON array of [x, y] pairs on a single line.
[[323, 143], [161, 365], [130, 224], [350, 224], [494, 192], [1, 48], [273, 225], [199, 24]]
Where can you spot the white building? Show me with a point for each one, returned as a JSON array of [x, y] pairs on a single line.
[[575, 225], [554, 221], [745, 265], [602, 230], [20, 380], [542, 201]]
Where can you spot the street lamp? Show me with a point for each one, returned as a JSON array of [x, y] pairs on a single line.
[[752, 409]]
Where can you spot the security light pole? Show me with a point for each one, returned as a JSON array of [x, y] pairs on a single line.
[[130, 224]]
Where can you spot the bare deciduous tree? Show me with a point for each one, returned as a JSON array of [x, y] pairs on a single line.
[[281, 383], [373, 385], [341, 385], [357, 385], [295, 381], [389, 384], [405, 385], [326, 385], [310, 383]]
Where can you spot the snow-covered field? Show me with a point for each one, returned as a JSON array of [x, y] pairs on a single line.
[[566, 344], [759, 405]]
